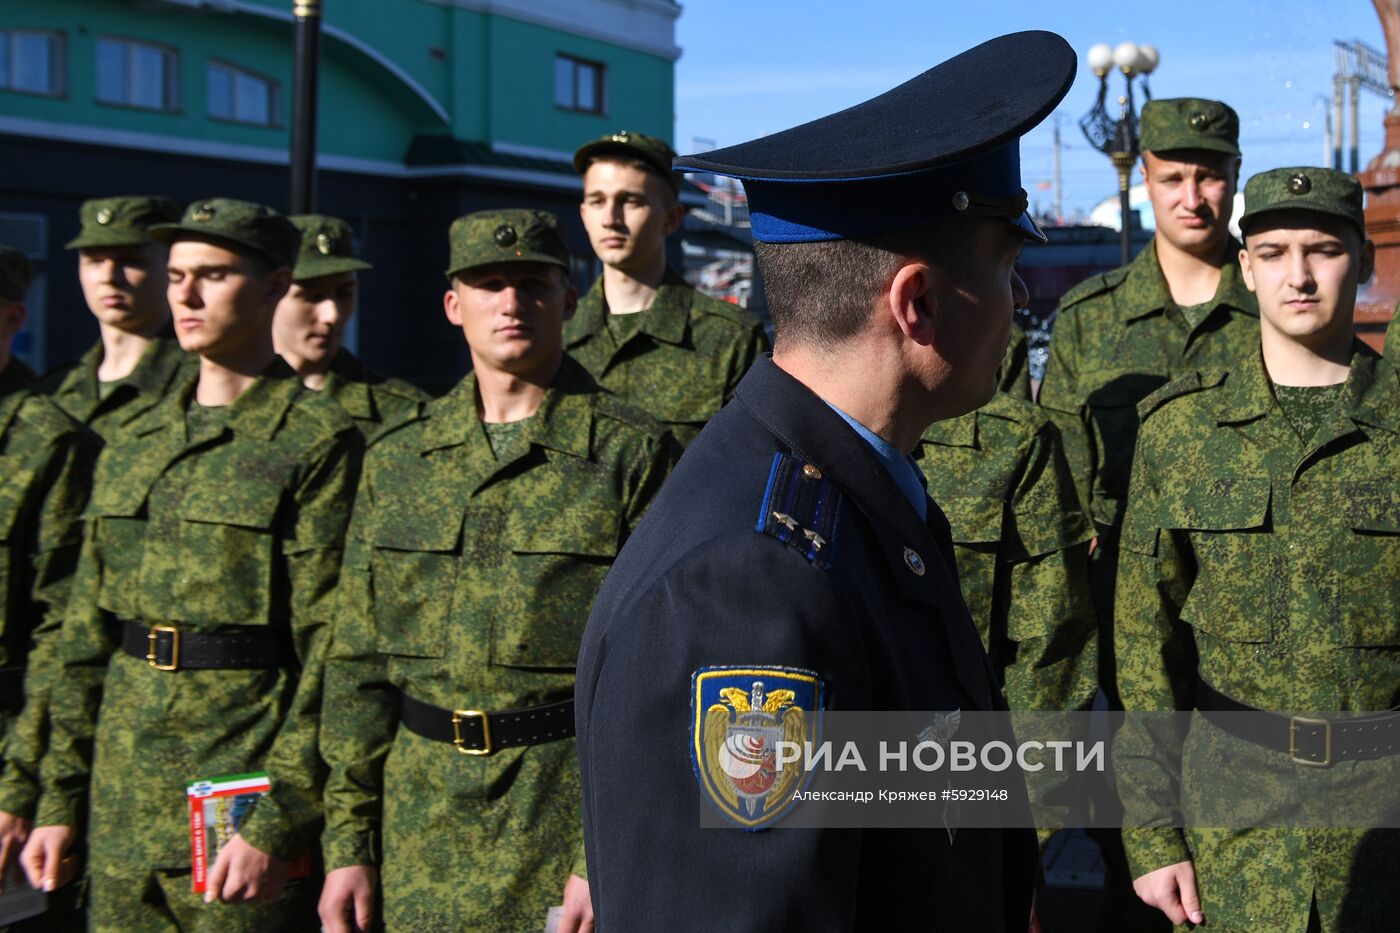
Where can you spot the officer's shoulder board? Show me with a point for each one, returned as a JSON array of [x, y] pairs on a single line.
[[1184, 385], [801, 507], [1094, 285]]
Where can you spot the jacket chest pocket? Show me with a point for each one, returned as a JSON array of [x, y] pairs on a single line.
[[1226, 518], [415, 562], [556, 563], [1371, 577], [223, 569], [688, 392], [116, 520]]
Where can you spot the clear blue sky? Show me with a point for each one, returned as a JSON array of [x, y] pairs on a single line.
[[757, 66]]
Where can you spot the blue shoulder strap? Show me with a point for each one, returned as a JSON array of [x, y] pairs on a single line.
[[801, 508]]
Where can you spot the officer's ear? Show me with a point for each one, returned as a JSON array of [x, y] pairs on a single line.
[[912, 298]]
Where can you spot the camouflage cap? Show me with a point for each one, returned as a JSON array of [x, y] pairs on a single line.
[[1323, 190], [15, 274], [654, 152], [488, 237], [1188, 123], [327, 247], [245, 225], [123, 221]]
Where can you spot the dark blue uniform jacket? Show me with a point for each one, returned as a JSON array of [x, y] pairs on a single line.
[[699, 585]]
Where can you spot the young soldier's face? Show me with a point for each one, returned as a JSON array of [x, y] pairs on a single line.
[[1193, 195], [512, 314], [1305, 267], [628, 213], [222, 300], [310, 321], [125, 286]]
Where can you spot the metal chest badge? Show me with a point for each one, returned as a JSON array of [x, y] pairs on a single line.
[[739, 714]]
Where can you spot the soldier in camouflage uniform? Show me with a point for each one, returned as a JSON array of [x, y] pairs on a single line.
[[1021, 538], [122, 271], [194, 638], [310, 325], [482, 531], [1261, 550], [15, 275], [1178, 306], [641, 331], [45, 470]]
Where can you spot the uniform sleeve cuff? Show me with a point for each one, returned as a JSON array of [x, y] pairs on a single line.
[[1154, 848], [344, 849]]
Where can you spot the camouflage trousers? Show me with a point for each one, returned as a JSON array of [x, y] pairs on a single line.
[[477, 843], [163, 902]]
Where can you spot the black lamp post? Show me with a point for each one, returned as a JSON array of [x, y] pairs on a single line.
[[306, 16], [1118, 138]]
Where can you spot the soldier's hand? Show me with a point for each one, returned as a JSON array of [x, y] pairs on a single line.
[[243, 874], [578, 907], [1172, 890], [45, 858], [347, 899], [14, 830]]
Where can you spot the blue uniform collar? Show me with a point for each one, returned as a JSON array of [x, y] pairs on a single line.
[[901, 467]]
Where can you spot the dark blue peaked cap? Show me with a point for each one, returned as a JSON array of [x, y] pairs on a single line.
[[944, 143]]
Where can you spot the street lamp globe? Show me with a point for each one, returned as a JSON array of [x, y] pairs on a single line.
[[1125, 56], [1147, 59], [1100, 59]]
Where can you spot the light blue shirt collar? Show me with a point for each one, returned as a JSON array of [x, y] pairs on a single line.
[[901, 467]]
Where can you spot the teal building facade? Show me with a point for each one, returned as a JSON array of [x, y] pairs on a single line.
[[428, 109]]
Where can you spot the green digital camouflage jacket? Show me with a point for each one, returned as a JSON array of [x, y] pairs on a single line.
[[1118, 336], [467, 583], [1022, 545], [682, 360], [1015, 376], [1266, 566], [377, 403], [237, 525], [75, 388], [46, 461]]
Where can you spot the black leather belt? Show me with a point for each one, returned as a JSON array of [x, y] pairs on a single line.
[[166, 648], [478, 732], [1308, 740]]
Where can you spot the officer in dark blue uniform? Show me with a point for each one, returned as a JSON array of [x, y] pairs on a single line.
[[793, 562]]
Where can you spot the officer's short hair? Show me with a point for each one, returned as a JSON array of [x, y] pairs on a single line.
[[822, 293]]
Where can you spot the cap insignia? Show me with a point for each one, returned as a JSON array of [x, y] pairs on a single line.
[[104, 215], [1198, 122], [325, 245], [1299, 183], [960, 201], [203, 214], [505, 235]]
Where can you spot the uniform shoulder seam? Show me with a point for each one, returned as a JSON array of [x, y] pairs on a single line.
[[1189, 384], [1092, 286]]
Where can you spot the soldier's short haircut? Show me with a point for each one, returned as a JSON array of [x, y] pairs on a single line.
[[822, 293]]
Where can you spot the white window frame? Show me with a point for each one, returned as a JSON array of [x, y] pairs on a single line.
[[58, 64], [274, 106], [601, 88], [171, 103]]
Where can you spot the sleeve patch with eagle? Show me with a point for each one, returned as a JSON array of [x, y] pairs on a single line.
[[738, 716]]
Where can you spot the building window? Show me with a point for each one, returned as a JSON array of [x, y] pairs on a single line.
[[241, 96], [578, 84], [136, 74], [31, 62]]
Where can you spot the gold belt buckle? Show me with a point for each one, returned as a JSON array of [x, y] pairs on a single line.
[[1293, 723], [153, 648], [458, 716]]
